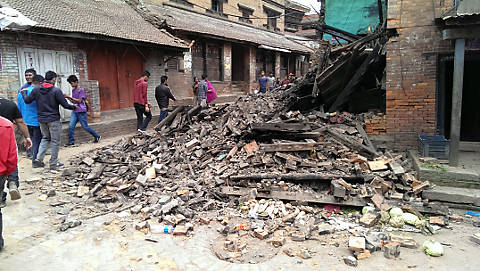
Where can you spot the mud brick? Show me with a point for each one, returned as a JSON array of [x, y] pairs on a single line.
[[380, 203], [437, 220], [356, 243], [180, 230], [404, 241], [260, 234], [204, 220], [277, 241], [364, 255], [377, 165], [419, 188], [298, 236], [369, 219]]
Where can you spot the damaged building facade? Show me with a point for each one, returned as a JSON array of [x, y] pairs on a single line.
[[432, 67], [231, 42], [81, 38]]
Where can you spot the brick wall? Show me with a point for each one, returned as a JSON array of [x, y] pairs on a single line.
[[9, 79], [93, 96], [411, 68]]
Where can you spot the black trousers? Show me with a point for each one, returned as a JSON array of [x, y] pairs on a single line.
[[2, 184], [140, 110]]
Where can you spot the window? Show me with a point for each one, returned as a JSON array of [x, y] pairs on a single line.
[[272, 15], [217, 6], [246, 13]]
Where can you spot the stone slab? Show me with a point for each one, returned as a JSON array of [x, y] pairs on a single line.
[[453, 194]]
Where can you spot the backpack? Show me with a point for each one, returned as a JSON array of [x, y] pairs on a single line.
[[87, 104]]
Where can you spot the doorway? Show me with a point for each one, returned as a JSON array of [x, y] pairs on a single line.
[[239, 67], [470, 120]]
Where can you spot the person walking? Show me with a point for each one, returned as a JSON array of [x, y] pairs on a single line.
[[140, 102], [163, 94], [262, 83], [202, 91], [271, 81], [48, 99], [211, 92], [10, 111], [196, 82], [78, 98], [8, 160], [30, 116]]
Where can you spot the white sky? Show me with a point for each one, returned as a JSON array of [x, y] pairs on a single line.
[[309, 3]]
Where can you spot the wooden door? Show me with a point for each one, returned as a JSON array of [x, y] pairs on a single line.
[[130, 66], [102, 66]]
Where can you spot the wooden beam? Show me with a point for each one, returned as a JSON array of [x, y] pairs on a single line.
[[287, 147], [466, 32], [296, 196], [457, 91], [296, 177], [352, 143], [280, 127], [170, 117], [350, 87], [365, 136]]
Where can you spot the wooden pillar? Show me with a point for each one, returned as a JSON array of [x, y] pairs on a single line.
[[457, 101], [277, 65]]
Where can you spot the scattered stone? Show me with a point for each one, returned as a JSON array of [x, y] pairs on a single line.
[[289, 253], [181, 230], [169, 206], [88, 161], [136, 209], [204, 220], [69, 223], [475, 238], [350, 260], [150, 173], [141, 225], [298, 236], [326, 229], [456, 218], [369, 219], [51, 193], [391, 250], [82, 190]]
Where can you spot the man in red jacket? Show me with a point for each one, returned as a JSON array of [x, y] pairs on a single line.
[[8, 158], [140, 102]]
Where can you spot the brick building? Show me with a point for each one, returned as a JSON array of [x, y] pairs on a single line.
[[231, 42], [420, 70], [83, 38]]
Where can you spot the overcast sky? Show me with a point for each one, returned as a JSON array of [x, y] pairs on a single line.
[[310, 3]]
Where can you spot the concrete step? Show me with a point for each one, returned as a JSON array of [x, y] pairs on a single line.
[[445, 175], [456, 195]]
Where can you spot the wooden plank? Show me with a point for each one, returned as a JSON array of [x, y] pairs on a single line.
[[280, 127], [296, 177], [288, 147], [365, 136], [296, 196], [350, 87], [170, 117], [352, 143]]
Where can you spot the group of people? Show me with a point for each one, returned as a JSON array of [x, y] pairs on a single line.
[[271, 83], [203, 91], [37, 116]]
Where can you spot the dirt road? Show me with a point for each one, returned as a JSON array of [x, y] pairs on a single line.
[[110, 242]]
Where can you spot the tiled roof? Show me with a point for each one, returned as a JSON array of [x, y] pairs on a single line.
[[189, 21], [110, 18]]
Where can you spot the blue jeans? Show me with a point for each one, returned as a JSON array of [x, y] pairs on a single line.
[[36, 136], [163, 115], [76, 117], [13, 177], [51, 133]]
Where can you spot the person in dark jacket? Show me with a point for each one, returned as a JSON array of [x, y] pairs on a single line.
[[48, 99], [162, 95]]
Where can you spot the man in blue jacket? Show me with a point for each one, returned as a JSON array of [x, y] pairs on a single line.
[[48, 99], [30, 116]]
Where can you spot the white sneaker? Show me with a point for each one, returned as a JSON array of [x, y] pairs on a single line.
[[142, 131]]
